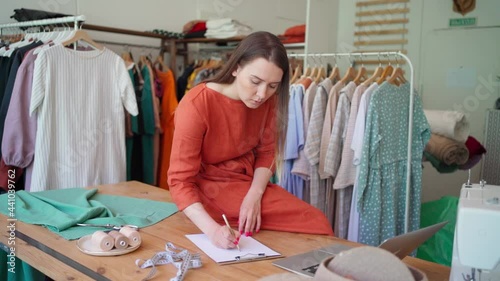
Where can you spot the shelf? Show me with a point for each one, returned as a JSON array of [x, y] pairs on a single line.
[[122, 31], [209, 40], [295, 45]]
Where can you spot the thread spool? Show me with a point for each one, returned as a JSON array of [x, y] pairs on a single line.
[[121, 242], [134, 238], [102, 241]]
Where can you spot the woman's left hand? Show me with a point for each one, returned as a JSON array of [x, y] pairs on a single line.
[[250, 211]]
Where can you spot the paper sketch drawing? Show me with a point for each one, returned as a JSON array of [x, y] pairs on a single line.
[[250, 249]]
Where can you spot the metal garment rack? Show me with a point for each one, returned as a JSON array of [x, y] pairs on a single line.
[[74, 19], [410, 119]]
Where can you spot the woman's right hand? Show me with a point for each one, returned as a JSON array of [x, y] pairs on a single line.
[[225, 238]]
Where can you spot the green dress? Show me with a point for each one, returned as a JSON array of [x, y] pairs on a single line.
[[149, 127], [381, 195]]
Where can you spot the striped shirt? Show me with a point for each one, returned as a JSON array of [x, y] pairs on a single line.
[[79, 98]]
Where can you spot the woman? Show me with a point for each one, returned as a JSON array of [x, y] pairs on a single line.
[[229, 134]]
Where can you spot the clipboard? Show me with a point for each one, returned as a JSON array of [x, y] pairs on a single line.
[[251, 250]]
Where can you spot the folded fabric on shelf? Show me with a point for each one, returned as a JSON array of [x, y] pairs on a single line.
[[60, 210], [476, 151], [440, 166], [450, 124], [226, 28], [447, 150], [216, 23]]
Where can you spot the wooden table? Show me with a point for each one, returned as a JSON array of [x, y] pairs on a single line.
[[61, 260]]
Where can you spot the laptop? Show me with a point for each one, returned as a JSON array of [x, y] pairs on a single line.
[[402, 245]]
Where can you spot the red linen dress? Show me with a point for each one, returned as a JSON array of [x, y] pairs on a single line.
[[218, 143]]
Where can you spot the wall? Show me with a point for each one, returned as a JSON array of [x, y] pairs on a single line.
[[456, 69]]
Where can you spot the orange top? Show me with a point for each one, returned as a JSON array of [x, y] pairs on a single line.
[[219, 139], [168, 105]]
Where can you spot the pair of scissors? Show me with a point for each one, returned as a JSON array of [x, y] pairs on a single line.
[[109, 226]]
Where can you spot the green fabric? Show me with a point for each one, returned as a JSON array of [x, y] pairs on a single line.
[[60, 210], [147, 103], [440, 166], [439, 248], [19, 271], [134, 119], [148, 159], [129, 145]]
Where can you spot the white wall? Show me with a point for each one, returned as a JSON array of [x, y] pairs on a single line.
[[437, 52], [474, 57]]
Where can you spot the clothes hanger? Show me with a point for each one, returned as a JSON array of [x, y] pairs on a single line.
[[361, 77], [350, 74], [321, 72], [159, 64], [335, 74], [397, 77], [387, 71], [376, 74], [308, 70], [81, 35], [296, 74], [315, 69]]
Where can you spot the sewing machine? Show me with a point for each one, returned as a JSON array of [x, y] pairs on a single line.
[[476, 247]]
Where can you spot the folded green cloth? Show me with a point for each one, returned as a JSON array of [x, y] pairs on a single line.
[[440, 166], [60, 210]]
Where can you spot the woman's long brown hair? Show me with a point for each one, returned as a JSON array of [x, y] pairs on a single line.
[[265, 45]]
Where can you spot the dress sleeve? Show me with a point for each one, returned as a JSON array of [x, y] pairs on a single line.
[[18, 145], [125, 87], [265, 150], [185, 159]]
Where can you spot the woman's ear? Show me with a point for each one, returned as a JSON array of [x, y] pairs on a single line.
[[236, 71]]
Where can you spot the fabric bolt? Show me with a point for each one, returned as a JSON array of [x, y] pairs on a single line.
[[381, 194], [60, 210], [215, 154], [294, 142], [331, 109], [168, 105], [301, 166], [449, 124], [346, 174], [313, 144], [476, 151], [440, 166], [447, 150], [19, 136], [357, 147], [84, 93]]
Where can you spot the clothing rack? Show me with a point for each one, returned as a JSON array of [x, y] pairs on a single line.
[[74, 19], [410, 119]]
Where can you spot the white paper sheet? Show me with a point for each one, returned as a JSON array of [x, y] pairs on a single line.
[[250, 249]]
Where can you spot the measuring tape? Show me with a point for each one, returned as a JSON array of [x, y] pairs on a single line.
[[181, 258]]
